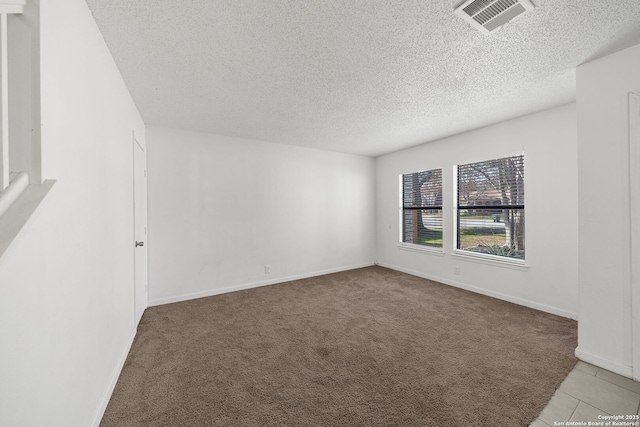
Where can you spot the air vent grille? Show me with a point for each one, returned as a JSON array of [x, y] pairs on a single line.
[[480, 5], [487, 15], [494, 10]]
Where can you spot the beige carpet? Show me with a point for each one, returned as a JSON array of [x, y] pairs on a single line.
[[367, 347]]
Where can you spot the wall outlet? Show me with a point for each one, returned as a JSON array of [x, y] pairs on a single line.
[[456, 270], [267, 269]]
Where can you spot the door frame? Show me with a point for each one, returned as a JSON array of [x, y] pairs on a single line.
[[137, 315], [634, 211]]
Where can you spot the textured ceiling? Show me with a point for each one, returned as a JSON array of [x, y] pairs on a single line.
[[356, 76]]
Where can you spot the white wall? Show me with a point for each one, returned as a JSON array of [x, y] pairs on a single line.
[[548, 140], [66, 283], [221, 208], [604, 331]]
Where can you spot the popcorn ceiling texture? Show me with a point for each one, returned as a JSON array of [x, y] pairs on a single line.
[[356, 76]]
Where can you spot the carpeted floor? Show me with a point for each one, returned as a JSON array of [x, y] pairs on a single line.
[[366, 347]]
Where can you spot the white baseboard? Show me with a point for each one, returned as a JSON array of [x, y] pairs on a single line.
[[114, 380], [618, 368], [212, 292], [542, 307]]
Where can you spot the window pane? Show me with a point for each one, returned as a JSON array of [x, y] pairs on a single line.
[[421, 189], [496, 182], [494, 232], [491, 207], [423, 227], [422, 208]]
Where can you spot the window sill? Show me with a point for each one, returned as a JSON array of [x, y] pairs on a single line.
[[17, 213], [498, 261], [18, 182], [419, 248]]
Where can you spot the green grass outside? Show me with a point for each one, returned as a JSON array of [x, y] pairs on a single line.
[[469, 238], [480, 216], [433, 239]]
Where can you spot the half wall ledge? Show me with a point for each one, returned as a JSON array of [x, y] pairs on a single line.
[[21, 209]]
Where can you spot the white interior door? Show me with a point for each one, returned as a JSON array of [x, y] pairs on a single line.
[[140, 229], [634, 203]]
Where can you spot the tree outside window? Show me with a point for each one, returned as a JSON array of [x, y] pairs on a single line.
[[490, 209], [422, 208]]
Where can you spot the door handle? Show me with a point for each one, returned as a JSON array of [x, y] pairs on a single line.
[[139, 244]]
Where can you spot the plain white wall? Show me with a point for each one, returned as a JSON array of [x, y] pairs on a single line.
[[604, 328], [221, 208], [66, 283], [548, 140]]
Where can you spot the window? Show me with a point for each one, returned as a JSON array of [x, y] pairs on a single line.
[[490, 208], [422, 208]]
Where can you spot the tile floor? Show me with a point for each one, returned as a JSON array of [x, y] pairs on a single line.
[[589, 392]]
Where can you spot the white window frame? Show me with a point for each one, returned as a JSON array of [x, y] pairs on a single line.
[[461, 254], [432, 250]]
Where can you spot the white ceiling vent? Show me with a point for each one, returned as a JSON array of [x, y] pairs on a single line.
[[487, 15]]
